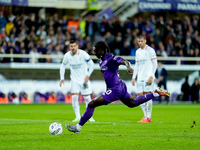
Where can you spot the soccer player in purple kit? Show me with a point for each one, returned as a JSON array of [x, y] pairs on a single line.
[[116, 87]]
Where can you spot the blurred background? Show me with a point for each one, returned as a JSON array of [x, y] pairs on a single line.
[[34, 36]]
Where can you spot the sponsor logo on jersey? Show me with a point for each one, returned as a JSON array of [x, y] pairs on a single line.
[[104, 68]]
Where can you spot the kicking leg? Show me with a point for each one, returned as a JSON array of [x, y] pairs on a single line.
[[130, 102]]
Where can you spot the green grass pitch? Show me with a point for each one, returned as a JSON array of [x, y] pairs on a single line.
[[27, 127]]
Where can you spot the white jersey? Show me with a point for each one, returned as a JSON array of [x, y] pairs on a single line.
[[143, 60], [78, 65]]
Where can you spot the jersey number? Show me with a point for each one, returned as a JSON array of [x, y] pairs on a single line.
[[108, 92]]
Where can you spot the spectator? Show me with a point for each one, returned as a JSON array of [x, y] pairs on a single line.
[[157, 37], [35, 55], [3, 21], [185, 88], [161, 79], [25, 99], [116, 45], [3, 99], [52, 98], [2, 51], [103, 26], [10, 51], [68, 98], [161, 50], [191, 54], [161, 75], [90, 27], [195, 91], [9, 27], [24, 59], [196, 54], [57, 52]]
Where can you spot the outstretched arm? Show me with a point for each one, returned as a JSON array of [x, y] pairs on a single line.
[[128, 65]]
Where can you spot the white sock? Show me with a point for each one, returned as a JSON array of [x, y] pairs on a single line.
[[75, 105], [155, 94], [87, 100], [78, 126], [149, 108], [144, 108]]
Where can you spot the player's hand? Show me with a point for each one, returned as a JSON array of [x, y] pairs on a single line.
[[86, 79], [150, 80], [130, 70], [133, 82], [61, 82]]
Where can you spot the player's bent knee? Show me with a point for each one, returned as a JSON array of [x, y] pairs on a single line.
[[91, 104]]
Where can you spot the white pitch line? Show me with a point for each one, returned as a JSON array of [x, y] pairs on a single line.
[[11, 119], [32, 120]]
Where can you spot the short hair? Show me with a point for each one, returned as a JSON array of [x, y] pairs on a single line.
[[142, 37], [73, 41], [102, 45]]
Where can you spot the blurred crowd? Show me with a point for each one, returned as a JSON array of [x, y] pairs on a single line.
[[38, 97], [32, 34]]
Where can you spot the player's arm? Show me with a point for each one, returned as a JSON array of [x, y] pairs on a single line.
[[90, 64], [62, 70], [135, 71], [90, 68], [154, 63], [128, 65], [62, 74]]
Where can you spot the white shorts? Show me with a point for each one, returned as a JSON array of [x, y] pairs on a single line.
[[143, 87], [79, 88]]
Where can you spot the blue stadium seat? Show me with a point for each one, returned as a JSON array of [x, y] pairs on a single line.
[[36, 97], [174, 96], [60, 96]]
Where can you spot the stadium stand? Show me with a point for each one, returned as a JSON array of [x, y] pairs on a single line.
[[33, 35]]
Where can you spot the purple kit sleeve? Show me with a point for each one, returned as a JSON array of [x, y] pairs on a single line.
[[117, 59]]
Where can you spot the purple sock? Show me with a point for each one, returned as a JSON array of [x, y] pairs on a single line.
[[143, 98], [86, 116]]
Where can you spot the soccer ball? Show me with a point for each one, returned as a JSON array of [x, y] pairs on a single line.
[[55, 128]]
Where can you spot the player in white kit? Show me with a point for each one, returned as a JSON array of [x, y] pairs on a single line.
[[81, 67], [145, 68]]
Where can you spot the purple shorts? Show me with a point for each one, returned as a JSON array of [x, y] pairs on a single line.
[[116, 93]]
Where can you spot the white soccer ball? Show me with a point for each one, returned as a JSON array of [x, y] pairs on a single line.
[[55, 128]]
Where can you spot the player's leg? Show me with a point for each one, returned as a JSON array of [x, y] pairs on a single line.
[[86, 92], [98, 101], [140, 90], [76, 107], [130, 102], [147, 107], [148, 110], [75, 103]]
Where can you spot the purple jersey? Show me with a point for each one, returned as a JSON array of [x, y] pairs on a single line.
[[109, 68], [116, 87]]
